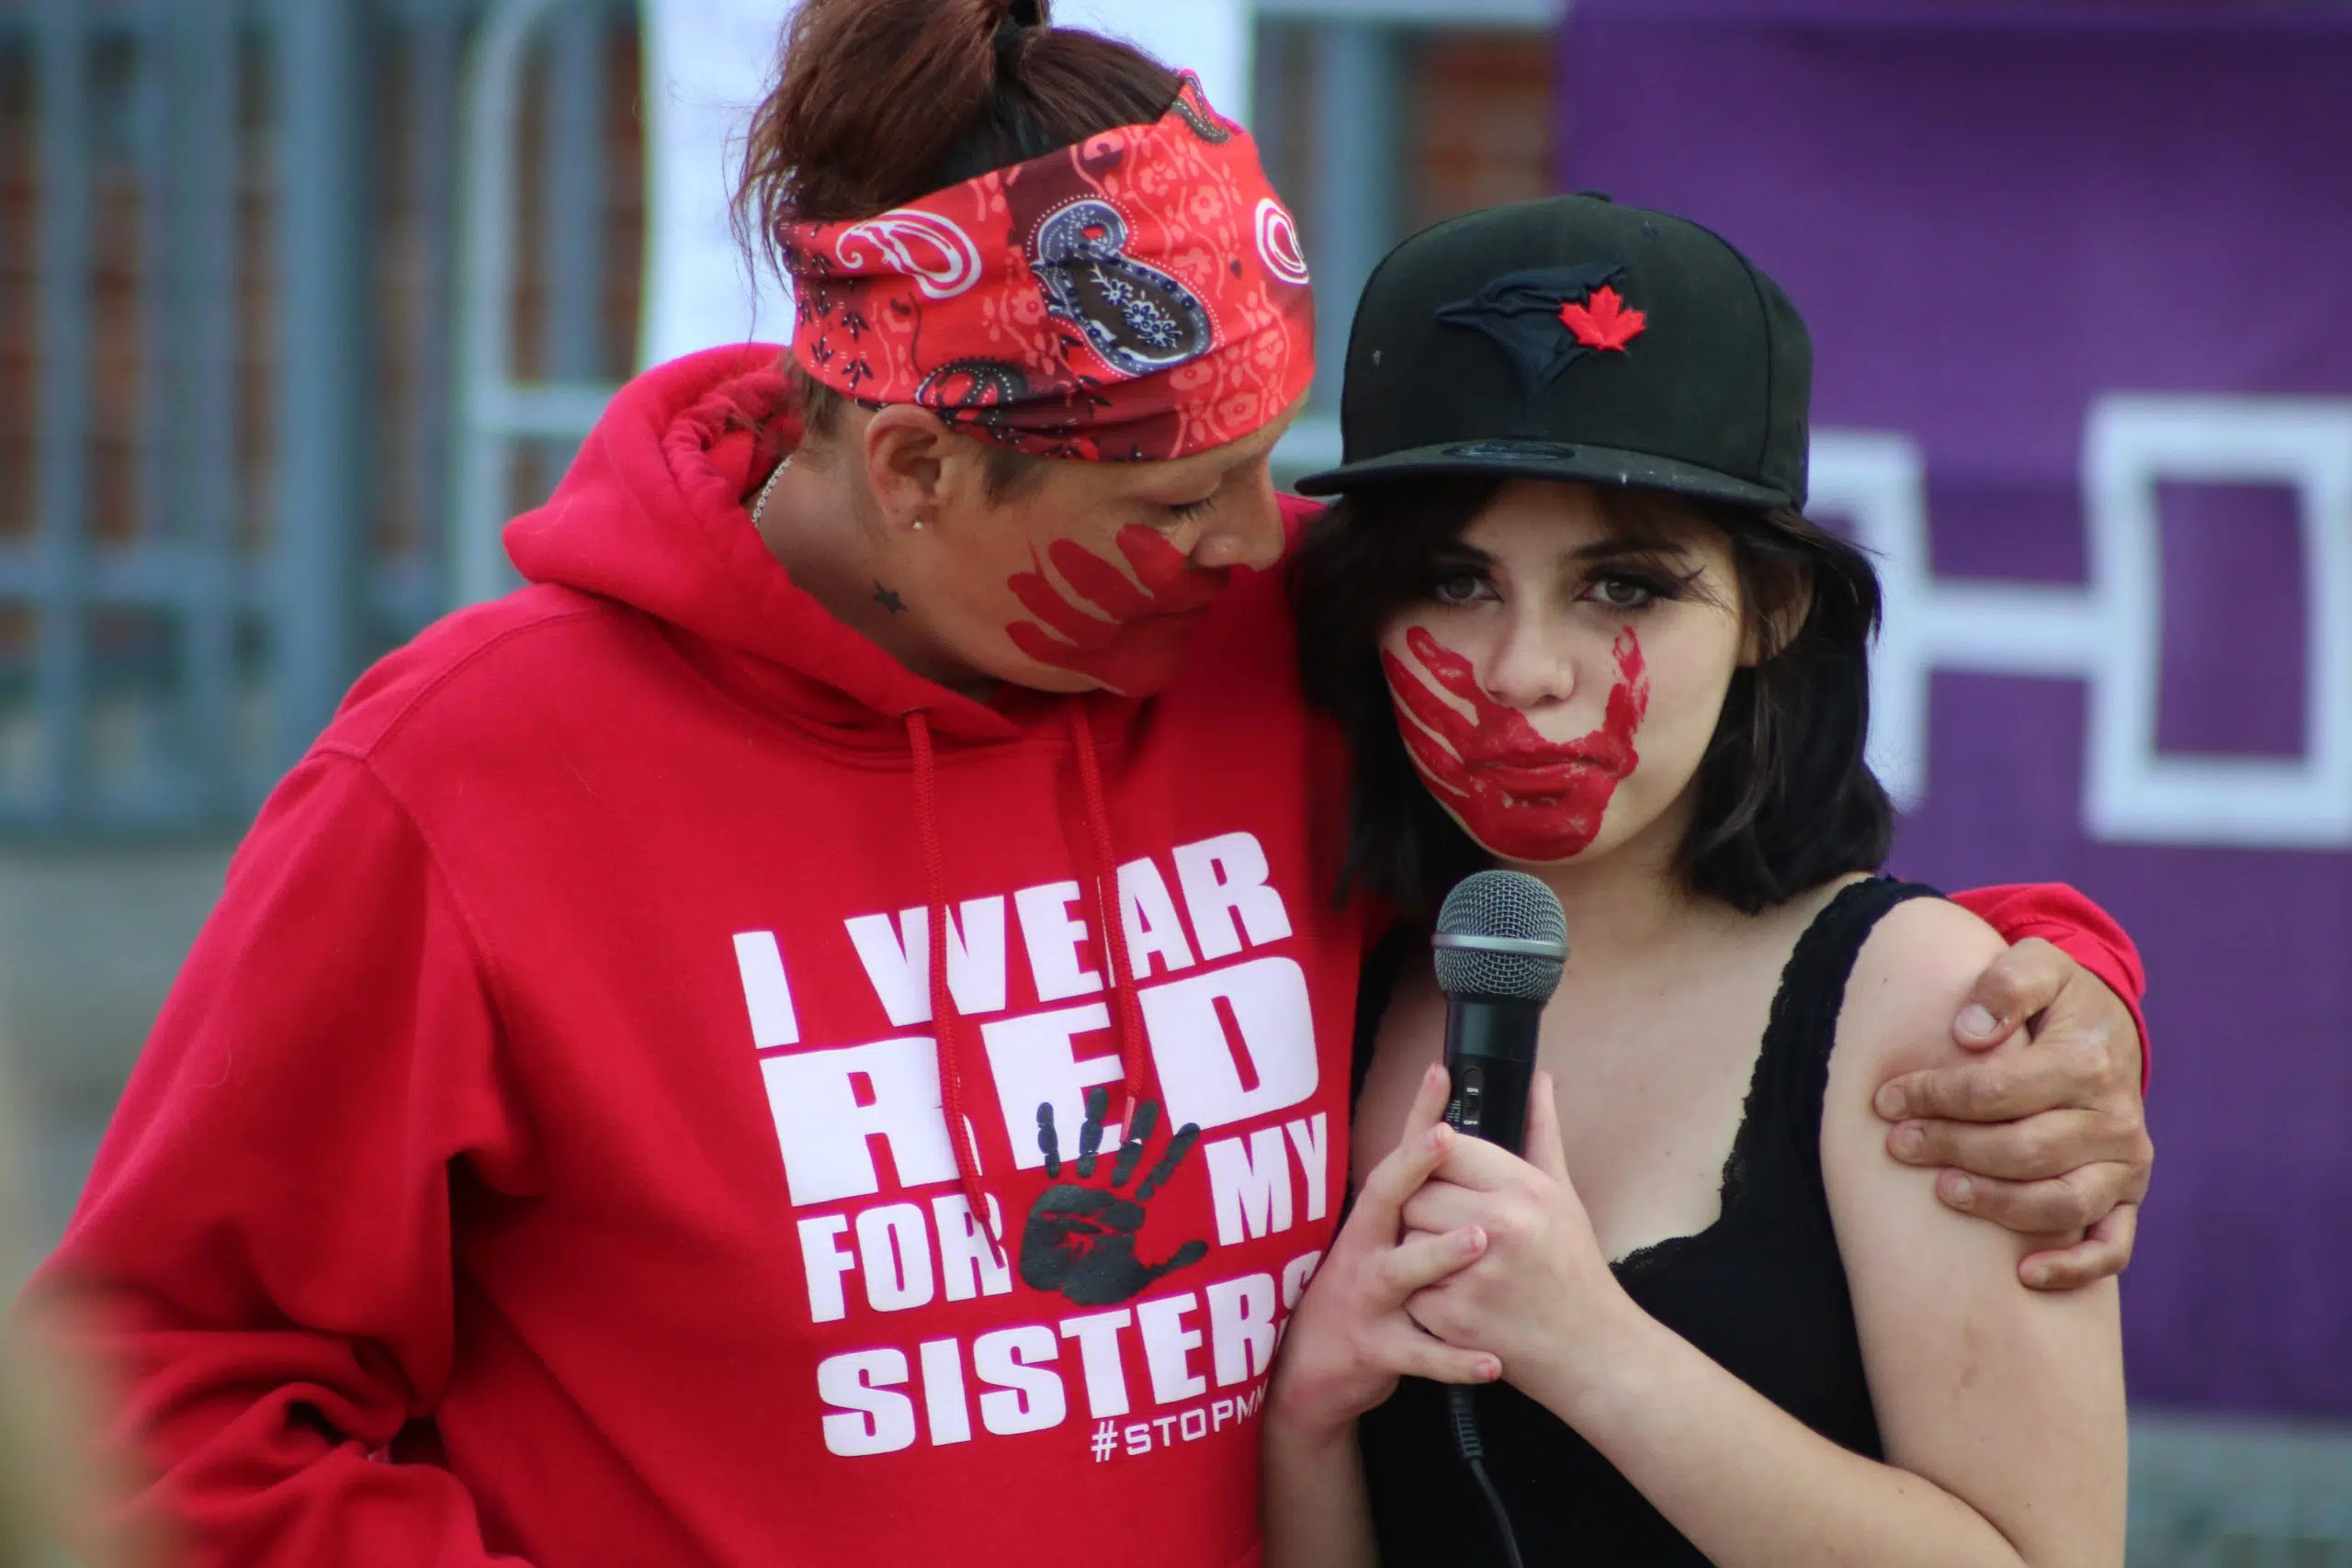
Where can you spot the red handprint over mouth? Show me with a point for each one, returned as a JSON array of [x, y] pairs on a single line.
[[1128, 637], [1521, 796]]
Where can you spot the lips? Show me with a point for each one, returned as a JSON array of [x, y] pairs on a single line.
[[1521, 796], [1517, 759], [1538, 783]]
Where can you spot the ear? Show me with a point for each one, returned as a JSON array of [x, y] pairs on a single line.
[[1770, 632], [920, 469]]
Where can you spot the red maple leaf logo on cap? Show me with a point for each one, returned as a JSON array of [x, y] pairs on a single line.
[[1603, 321]]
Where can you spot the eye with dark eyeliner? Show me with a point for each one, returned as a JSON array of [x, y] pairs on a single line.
[[1456, 581], [1624, 591], [1642, 585]]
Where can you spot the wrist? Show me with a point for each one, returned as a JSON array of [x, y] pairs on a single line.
[[1306, 1415], [1581, 1375], [1305, 1427]]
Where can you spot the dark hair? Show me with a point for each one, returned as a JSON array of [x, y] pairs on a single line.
[[883, 101], [1785, 800]]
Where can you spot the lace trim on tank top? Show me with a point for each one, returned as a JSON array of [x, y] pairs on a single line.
[[1812, 982]]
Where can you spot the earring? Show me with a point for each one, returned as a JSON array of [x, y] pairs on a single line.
[[918, 525]]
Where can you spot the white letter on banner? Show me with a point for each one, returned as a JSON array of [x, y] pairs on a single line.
[[2136, 794], [2109, 635]]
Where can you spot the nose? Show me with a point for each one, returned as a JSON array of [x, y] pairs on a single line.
[[1246, 530], [1531, 665]]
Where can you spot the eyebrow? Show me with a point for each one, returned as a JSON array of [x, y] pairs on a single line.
[[1614, 548]]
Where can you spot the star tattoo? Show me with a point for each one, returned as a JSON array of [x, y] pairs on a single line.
[[890, 599]]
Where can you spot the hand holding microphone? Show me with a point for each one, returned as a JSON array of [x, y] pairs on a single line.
[[1501, 943]]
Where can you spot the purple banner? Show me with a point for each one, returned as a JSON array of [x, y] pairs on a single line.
[[2080, 284]]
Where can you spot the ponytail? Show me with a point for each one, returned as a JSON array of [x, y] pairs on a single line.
[[882, 101]]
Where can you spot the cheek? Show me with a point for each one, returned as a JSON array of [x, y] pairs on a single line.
[[1119, 612], [1686, 697]]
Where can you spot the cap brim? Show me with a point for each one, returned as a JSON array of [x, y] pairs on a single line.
[[1545, 460]]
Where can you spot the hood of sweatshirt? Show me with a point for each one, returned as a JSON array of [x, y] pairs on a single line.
[[654, 514]]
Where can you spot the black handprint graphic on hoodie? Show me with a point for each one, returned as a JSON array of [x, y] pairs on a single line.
[[1081, 1241]]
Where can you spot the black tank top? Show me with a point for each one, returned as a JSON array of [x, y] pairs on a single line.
[[1763, 1290]]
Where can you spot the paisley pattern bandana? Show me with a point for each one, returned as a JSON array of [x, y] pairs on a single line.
[[1138, 296]]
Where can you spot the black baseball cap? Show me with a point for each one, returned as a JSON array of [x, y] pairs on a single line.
[[1575, 339]]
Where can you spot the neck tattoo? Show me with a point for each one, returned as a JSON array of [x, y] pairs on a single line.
[[888, 599]]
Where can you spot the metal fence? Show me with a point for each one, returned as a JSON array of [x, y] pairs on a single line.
[[299, 299], [226, 361]]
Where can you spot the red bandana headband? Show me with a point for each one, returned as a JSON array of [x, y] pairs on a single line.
[[1140, 295]]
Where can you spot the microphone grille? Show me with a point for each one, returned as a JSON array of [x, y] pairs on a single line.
[[1510, 905]]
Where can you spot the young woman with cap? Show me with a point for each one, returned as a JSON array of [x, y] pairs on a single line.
[[1572, 619], [816, 1032]]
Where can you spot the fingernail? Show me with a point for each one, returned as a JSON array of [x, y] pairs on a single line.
[[1437, 1136], [1964, 1192], [1491, 1369], [2037, 1274], [1888, 1100], [1910, 1139], [1474, 1241], [1976, 1021]]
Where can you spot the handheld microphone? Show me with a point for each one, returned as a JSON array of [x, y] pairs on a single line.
[[1500, 942]]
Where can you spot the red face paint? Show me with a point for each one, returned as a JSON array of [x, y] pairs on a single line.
[[1522, 796], [1130, 638]]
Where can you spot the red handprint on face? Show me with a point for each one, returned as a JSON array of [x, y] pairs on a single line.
[[1128, 637], [1521, 796]]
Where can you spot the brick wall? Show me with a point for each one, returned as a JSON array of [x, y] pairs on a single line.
[[1481, 130]]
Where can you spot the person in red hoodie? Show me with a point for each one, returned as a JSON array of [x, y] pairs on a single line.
[[818, 1032]]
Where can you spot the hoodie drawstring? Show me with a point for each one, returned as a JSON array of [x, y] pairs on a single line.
[[1125, 1011], [946, 1023]]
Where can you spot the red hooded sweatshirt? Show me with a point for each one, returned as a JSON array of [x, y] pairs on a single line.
[[545, 1155]]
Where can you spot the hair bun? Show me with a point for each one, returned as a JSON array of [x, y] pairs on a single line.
[[1027, 13], [1021, 18], [837, 138]]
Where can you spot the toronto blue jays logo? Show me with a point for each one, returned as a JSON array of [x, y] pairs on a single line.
[[1545, 319]]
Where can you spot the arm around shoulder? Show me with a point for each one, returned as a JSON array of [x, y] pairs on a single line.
[[2011, 1399], [262, 1260]]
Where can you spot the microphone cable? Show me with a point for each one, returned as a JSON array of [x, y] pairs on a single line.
[[1463, 1414]]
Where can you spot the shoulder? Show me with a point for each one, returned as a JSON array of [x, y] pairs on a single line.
[[1910, 980], [475, 668]]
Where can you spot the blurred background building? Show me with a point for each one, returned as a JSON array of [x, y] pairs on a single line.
[[299, 298]]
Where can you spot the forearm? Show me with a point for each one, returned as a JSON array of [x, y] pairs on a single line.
[[1748, 1483], [1318, 1512]]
